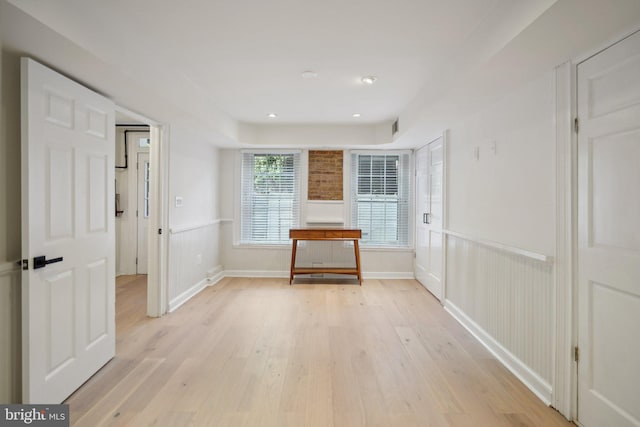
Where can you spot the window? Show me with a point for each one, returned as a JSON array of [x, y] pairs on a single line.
[[270, 203], [380, 198]]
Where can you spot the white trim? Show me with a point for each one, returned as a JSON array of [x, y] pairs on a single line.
[[532, 380], [9, 267], [399, 275], [503, 247], [256, 273], [215, 275], [564, 366], [177, 230], [187, 295], [402, 275], [446, 135], [158, 250]]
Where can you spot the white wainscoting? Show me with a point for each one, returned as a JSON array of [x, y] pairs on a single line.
[[10, 330], [506, 299], [194, 261]]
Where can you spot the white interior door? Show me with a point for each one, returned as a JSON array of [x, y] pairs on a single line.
[[429, 215], [609, 236], [68, 305], [422, 206], [143, 212]]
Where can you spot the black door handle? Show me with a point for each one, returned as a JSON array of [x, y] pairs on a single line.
[[42, 261], [425, 218]]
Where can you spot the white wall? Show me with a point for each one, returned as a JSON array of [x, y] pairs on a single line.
[[508, 195], [308, 135], [193, 234]]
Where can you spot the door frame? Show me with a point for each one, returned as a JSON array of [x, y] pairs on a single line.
[[157, 277], [565, 369], [140, 209]]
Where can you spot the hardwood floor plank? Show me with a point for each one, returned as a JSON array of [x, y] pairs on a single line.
[[258, 352]]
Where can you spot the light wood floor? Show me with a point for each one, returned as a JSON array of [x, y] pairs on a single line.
[[258, 352]]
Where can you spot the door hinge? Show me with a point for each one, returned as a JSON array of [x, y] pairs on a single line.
[[576, 124], [136, 260], [576, 354], [136, 214]]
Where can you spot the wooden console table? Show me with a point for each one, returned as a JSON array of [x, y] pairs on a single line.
[[325, 234]]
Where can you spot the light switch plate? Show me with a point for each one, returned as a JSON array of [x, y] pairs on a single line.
[[178, 201]]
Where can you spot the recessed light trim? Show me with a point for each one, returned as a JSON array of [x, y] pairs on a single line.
[[272, 115], [309, 74], [369, 80], [356, 115]]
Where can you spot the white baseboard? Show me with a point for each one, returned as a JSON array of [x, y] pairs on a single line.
[[215, 275], [187, 295], [389, 275], [285, 274], [533, 381], [256, 273]]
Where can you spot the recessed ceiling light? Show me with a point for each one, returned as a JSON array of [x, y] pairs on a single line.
[[356, 115], [272, 115], [369, 80], [309, 74]]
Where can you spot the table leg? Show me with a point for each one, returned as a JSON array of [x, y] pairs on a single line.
[[356, 248], [293, 259]]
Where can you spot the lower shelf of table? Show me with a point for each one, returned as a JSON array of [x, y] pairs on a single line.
[[327, 270]]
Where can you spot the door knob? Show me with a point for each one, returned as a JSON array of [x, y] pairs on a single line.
[[42, 261]]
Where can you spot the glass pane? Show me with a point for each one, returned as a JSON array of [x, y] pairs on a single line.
[[144, 142]]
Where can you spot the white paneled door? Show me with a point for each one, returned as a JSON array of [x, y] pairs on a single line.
[[68, 278], [609, 236], [429, 215]]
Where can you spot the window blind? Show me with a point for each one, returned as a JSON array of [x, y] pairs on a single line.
[[270, 203], [380, 197]]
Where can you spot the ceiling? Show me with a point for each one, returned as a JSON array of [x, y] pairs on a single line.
[[220, 66], [244, 58]]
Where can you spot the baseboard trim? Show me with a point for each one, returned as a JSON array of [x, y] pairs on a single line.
[[285, 274], [533, 381], [215, 275], [175, 303]]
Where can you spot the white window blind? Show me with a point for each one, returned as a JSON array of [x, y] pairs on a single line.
[[270, 203], [380, 197]]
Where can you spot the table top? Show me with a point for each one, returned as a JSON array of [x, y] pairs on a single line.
[[324, 233]]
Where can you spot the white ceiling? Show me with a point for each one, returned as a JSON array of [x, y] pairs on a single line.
[[220, 66], [245, 57]]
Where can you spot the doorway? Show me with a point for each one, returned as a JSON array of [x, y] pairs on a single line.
[[150, 138], [132, 197]]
